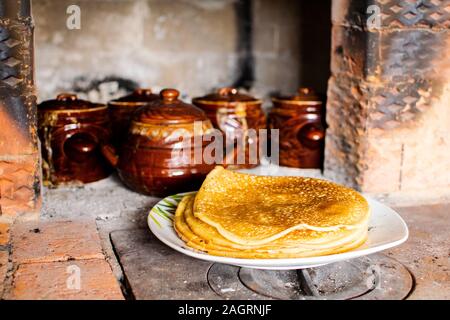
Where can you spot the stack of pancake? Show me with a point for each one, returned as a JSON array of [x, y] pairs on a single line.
[[258, 217]]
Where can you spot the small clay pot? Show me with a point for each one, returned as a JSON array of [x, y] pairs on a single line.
[[121, 112], [234, 113], [157, 158], [72, 132], [302, 128]]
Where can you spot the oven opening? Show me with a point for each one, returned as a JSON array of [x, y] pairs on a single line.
[[111, 111]]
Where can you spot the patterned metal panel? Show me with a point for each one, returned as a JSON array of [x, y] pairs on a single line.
[[393, 13], [415, 13]]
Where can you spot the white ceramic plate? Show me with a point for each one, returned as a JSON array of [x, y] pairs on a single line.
[[386, 230]]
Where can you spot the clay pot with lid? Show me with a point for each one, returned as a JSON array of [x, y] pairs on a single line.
[[157, 158], [302, 129], [72, 132], [121, 112], [234, 113]]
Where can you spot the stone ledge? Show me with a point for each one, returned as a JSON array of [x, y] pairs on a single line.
[[427, 197]]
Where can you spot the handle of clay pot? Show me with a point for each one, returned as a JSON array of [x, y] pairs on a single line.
[[66, 97], [110, 153], [169, 95], [142, 92], [226, 91], [315, 135], [311, 136], [79, 146]]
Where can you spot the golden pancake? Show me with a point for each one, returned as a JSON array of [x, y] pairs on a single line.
[[255, 210], [307, 239], [198, 243], [251, 254], [265, 252]]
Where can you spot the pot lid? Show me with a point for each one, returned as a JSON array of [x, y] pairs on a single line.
[[138, 96], [302, 95], [168, 109], [226, 95], [68, 101]]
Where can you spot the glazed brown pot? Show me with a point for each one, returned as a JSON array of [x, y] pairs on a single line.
[[157, 158], [121, 112], [234, 113], [72, 132], [302, 129]]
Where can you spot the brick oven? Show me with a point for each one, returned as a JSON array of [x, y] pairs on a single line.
[[382, 65], [388, 99], [19, 152]]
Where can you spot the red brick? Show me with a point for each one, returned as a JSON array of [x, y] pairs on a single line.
[[4, 234], [13, 139], [39, 281], [3, 268], [18, 179], [55, 241]]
